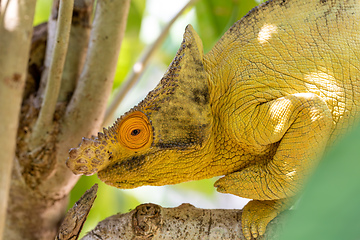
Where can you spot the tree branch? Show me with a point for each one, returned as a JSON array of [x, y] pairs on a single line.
[[76, 216], [140, 66], [78, 42], [44, 124], [151, 221], [15, 31], [88, 103]]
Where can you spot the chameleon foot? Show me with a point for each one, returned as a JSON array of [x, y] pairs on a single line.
[[257, 214]]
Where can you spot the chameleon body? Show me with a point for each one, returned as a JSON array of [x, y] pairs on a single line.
[[260, 108]]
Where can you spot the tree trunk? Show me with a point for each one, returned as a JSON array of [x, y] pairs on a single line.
[[15, 30], [54, 119]]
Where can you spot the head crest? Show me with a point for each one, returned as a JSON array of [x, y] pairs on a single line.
[[179, 106]]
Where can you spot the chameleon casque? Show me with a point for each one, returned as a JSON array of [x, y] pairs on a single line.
[[259, 109]]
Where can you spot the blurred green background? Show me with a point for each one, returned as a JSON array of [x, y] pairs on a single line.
[[210, 18], [329, 208]]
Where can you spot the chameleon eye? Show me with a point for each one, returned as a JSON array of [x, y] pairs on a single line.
[[135, 131]]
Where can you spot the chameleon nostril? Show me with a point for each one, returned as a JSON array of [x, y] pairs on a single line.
[[81, 161], [73, 153]]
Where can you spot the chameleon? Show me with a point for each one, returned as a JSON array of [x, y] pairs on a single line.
[[259, 109]]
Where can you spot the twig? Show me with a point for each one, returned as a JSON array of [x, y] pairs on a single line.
[[78, 42], [44, 122], [76, 216], [140, 66], [15, 32]]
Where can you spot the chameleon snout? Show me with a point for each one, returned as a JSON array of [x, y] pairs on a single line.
[[87, 159]]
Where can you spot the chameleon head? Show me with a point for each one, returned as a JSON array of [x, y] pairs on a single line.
[[153, 142]]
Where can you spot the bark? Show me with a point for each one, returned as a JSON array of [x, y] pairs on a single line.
[[79, 35], [43, 125], [40, 180], [76, 216], [16, 18], [151, 221]]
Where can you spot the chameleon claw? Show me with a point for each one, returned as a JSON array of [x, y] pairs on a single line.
[[261, 229], [246, 226], [254, 229], [246, 233]]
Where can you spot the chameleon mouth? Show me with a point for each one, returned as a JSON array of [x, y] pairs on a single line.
[[117, 181], [129, 173], [128, 165]]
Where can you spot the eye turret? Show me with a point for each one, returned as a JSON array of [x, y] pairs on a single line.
[[135, 131]]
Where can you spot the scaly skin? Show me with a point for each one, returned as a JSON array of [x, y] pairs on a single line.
[[260, 108]]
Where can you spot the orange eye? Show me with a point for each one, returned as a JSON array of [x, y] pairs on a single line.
[[135, 131]]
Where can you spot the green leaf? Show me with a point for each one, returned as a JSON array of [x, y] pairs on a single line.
[[42, 11], [136, 12], [330, 206]]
